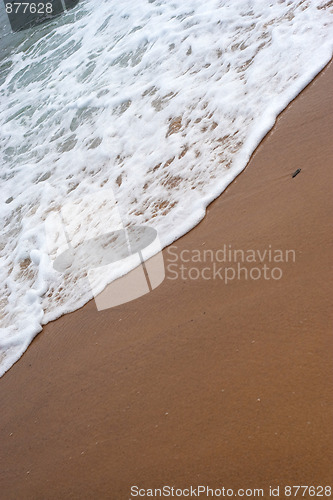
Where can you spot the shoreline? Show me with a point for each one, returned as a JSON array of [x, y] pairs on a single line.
[[198, 382]]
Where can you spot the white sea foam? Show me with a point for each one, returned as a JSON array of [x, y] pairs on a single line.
[[162, 102]]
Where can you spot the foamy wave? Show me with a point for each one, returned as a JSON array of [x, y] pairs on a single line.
[[161, 102]]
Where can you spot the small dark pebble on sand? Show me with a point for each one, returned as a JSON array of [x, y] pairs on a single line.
[[296, 172]]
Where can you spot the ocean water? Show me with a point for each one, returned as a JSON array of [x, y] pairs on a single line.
[[159, 102]]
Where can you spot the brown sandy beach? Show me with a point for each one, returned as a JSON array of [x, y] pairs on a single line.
[[198, 382]]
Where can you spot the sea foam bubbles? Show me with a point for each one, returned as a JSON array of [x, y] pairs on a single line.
[[161, 102]]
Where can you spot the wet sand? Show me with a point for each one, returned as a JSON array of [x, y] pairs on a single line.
[[198, 382]]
